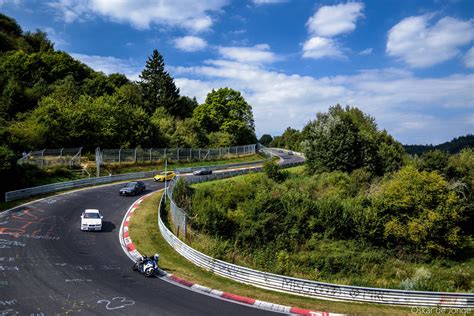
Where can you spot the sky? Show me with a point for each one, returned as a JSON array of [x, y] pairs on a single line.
[[407, 63]]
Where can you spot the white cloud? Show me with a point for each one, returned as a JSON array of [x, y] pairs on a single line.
[[327, 22], [257, 54], [190, 43], [258, 2], [367, 51], [421, 45], [469, 58], [189, 14], [14, 2], [56, 37], [409, 107], [321, 47], [334, 20], [109, 65]]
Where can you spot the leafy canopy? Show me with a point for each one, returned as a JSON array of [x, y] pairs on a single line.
[[226, 111], [346, 139]]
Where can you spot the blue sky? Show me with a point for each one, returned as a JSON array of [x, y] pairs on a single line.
[[408, 63]]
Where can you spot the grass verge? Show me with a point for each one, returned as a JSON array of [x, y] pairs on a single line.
[[148, 240]]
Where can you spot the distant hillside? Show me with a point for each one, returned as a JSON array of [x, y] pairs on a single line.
[[453, 147]]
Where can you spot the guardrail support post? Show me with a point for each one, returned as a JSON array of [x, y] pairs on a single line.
[[135, 154], [120, 151]]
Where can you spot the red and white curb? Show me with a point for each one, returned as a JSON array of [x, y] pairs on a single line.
[[131, 251]]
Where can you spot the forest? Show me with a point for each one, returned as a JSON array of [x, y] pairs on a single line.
[[50, 100], [361, 211]]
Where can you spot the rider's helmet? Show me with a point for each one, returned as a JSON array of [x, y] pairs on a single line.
[[156, 257]]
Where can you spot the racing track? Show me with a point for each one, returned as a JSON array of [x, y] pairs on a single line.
[[49, 267]]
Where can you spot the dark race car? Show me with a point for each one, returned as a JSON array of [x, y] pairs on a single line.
[[133, 188]]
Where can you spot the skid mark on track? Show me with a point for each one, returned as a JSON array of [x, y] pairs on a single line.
[[32, 223]]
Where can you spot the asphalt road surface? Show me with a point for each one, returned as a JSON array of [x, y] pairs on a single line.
[[48, 266]]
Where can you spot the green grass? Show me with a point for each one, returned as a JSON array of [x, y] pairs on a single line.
[[147, 238]]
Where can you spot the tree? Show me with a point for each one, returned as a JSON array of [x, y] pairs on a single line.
[[421, 212], [158, 87], [226, 110], [346, 139], [290, 139], [434, 160], [38, 42], [265, 140], [186, 107]]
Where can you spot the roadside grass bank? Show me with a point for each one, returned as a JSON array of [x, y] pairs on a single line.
[[146, 237], [61, 174], [343, 259]]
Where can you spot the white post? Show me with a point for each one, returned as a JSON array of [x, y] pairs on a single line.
[[97, 161], [42, 158]]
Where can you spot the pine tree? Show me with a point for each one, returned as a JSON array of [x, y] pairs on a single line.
[[158, 87]]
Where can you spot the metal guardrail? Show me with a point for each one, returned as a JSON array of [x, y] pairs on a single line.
[[61, 186], [221, 167], [304, 287]]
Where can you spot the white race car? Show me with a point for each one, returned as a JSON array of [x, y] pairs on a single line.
[[91, 219]]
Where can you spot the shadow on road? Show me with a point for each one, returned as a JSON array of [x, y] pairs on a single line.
[[107, 227]]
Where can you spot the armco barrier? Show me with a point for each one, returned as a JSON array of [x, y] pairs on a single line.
[[61, 186], [312, 288]]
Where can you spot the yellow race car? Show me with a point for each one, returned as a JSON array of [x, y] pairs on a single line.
[[161, 177]]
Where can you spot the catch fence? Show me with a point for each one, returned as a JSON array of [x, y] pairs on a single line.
[[53, 157], [175, 154]]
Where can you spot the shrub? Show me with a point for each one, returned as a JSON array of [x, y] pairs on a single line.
[[273, 171], [420, 212], [346, 139]]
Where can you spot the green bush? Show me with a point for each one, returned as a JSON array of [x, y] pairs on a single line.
[[273, 171], [421, 212]]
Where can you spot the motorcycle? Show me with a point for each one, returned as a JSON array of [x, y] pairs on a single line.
[[146, 265]]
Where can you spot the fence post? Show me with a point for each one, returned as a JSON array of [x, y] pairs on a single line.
[[199, 153], [220, 153], [120, 151], [135, 154], [98, 161], [164, 157], [177, 154], [150, 153], [42, 158]]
